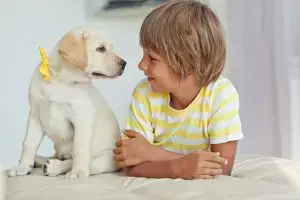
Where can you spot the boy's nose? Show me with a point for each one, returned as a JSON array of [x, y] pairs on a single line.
[[142, 66]]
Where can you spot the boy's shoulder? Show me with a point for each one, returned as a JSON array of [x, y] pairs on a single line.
[[222, 84], [223, 90]]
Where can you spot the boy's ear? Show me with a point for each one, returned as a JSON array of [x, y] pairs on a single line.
[[72, 49]]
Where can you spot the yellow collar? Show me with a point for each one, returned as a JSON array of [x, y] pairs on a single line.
[[44, 68]]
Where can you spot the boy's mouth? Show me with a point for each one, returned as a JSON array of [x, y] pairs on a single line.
[[150, 78]]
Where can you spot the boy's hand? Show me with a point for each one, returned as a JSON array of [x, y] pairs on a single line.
[[132, 151], [199, 165]]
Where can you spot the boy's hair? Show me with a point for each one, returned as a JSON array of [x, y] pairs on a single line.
[[189, 36]]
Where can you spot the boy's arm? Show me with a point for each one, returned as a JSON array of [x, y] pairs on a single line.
[[139, 117], [224, 127], [197, 165], [227, 150], [136, 150], [159, 154], [159, 169]]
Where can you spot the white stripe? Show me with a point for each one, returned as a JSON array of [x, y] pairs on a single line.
[[169, 119], [147, 135], [141, 122], [158, 101], [227, 108], [216, 126]]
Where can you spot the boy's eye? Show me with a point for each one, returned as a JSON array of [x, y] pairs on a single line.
[[152, 58]]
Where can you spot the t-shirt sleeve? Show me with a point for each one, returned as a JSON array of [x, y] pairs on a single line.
[[139, 115], [225, 124]]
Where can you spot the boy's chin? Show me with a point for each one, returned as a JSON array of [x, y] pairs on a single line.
[[157, 89]]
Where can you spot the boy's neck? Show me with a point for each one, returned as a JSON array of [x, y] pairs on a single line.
[[185, 94]]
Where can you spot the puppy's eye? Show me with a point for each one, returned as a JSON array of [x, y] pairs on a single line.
[[101, 49]]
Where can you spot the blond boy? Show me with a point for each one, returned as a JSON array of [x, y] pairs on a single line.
[[183, 119]]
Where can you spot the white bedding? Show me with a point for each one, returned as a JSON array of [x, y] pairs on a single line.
[[253, 177]]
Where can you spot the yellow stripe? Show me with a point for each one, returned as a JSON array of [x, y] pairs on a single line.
[[134, 124], [139, 97], [226, 131], [165, 110], [153, 95], [144, 84], [138, 113], [231, 99], [224, 117]]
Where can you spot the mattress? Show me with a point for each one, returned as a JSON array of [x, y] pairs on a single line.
[[254, 177]]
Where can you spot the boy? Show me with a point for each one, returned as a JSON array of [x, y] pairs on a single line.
[[184, 118]]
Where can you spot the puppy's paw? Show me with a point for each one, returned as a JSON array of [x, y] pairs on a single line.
[[52, 167], [77, 173], [20, 170]]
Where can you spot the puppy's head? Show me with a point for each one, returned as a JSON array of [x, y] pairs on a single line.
[[85, 49]]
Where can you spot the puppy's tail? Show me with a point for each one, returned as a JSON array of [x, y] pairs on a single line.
[[40, 160]]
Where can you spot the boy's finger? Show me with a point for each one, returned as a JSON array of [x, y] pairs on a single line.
[[122, 142], [130, 134], [117, 150], [118, 157], [118, 143], [120, 164], [212, 165], [215, 157], [220, 160], [205, 177], [124, 163]]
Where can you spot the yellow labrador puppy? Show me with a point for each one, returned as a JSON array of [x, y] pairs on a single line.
[[70, 111]]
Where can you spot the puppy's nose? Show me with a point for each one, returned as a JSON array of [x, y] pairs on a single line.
[[123, 63]]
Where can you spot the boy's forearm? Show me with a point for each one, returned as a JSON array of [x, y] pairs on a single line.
[[227, 151], [158, 165], [160, 169], [227, 169], [158, 154]]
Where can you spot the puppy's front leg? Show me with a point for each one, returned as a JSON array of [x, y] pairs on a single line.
[[83, 125], [32, 141]]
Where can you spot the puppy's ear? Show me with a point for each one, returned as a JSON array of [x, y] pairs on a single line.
[[72, 50]]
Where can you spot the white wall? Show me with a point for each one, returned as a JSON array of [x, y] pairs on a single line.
[[249, 70], [261, 43], [25, 25], [293, 33]]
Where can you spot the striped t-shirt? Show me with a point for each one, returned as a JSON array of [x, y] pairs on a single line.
[[212, 117]]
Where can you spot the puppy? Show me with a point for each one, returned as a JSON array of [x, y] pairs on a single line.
[[70, 111]]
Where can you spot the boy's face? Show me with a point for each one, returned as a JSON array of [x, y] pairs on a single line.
[[158, 73]]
